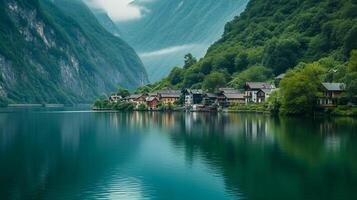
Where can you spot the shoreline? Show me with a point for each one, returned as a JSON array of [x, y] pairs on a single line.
[[317, 114], [45, 105], [109, 110]]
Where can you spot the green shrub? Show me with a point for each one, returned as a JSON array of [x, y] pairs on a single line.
[[344, 111], [251, 107], [142, 107], [123, 106]]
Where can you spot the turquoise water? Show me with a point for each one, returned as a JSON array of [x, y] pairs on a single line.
[[86, 155]]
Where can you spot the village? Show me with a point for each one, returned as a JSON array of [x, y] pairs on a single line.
[[198, 100]]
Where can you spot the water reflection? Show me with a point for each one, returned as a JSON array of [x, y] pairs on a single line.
[[56, 155], [41, 151]]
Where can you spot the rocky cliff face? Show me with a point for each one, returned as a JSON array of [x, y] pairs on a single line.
[[170, 29], [49, 56]]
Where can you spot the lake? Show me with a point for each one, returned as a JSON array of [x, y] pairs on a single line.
[[89, 155]]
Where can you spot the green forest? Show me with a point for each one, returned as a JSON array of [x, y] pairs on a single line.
[[310, 40]]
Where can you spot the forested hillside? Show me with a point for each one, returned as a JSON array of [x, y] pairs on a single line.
[[269, 38], [54, 55]]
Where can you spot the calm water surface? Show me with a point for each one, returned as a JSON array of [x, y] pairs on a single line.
[[85, 155]]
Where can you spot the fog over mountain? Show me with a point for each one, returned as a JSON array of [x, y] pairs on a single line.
[[163, 31]]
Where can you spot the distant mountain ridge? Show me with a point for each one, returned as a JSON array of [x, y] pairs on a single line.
[[170, 29], [57, 52]]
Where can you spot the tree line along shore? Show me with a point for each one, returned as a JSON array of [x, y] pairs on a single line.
[[297, 92]]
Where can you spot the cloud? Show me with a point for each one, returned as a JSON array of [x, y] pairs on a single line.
[[168, 50], [118, 10]]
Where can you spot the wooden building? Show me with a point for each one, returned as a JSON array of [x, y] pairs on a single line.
[[209, 99], [137, 99], [257, 92], [193, 97], [331, 93], [152, 102], [229, 96], [114, 98], [168, 96], [234, 98]]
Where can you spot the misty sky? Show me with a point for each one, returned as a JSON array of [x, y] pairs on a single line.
[[118, 10]]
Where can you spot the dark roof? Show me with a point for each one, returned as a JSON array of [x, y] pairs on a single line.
[[267, 91], [234, 96], [229, 90], [259, 85], [194, 91], [170, 95], [134, 96], [334, 86], [152, 94], [211, 95], [169, 91]]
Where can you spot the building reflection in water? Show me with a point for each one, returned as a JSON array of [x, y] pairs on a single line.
[[254, 127], [251, 152]]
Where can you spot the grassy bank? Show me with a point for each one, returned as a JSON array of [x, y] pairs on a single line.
[[344, 111], [265, 108], [250, 108], [105, 105]]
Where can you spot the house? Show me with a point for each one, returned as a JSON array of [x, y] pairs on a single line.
[[193, 97], [263, 95], [209, 99], [331, 93], [137, 99], [229, 90], [234, 98], [169, 96], [257, 92], [221, 100], [153, 94], [152, 102], [229, 96], [114, 98]]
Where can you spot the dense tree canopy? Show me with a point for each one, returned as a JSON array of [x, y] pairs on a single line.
[[352, 64], [123, 92], [255, 73], [276, 35], [351, 77], [214, 81], [189, 60], [300, 89]]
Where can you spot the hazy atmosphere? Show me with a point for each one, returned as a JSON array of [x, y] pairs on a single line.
[[178, 99], [158, 29]]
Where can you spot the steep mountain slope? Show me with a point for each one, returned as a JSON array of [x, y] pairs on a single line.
[[105, 21], [270, 37], [170, 29], [47, 56]]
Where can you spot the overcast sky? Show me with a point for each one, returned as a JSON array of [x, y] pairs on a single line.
[[118, 10]]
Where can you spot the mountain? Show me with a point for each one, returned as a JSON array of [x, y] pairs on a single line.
[[168, 30], [57, 52], [105, 21], [270, 37]]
